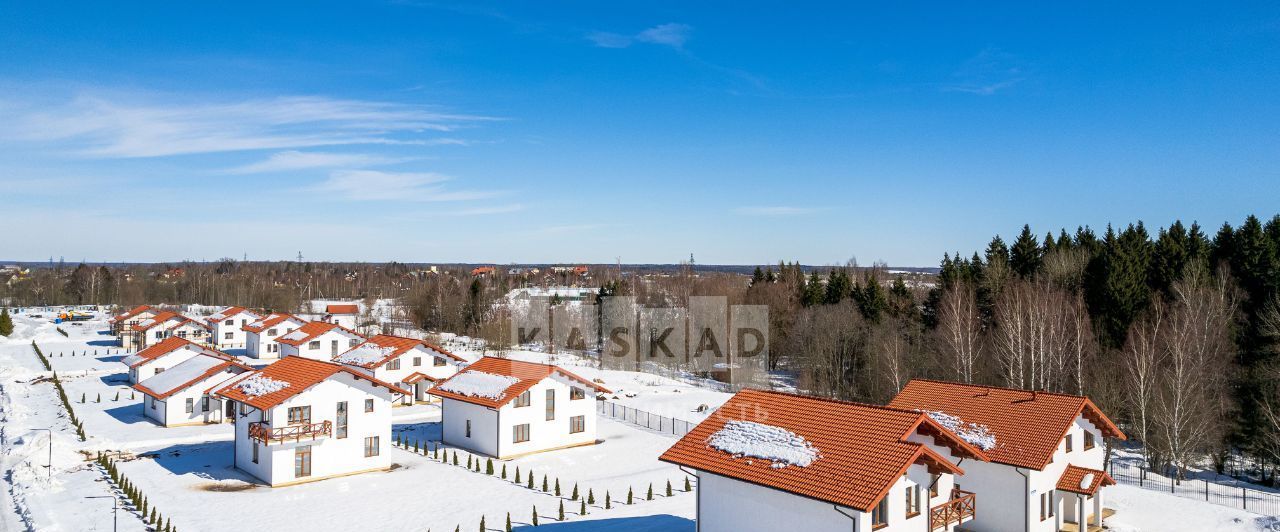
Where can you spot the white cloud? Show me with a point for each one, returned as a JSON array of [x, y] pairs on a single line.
[[153, 126], [670, 34], [373, 185], [300, 160], [986, 73], [776, 210]]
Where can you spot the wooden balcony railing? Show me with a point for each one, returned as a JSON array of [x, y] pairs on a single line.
[[962, 507], [267, 435]]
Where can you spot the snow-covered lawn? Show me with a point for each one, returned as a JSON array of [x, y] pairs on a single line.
[[1138, 509]]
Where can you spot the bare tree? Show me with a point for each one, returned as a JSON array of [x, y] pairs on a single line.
[[1142, 359], [960, 330]]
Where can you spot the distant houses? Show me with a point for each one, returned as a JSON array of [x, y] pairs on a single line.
[[1046, 467], [775, 461], [126, 320], [318, 340], [165, 324], [344, 315], [300, 420], [179, 395], [506, 408], [408, 363], [227, 326], [261, 335], [162, 356]]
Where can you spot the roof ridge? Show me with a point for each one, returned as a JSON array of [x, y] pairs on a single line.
[[1001, 388], [834, 400]]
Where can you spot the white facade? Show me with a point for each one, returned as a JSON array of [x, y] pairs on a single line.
[[151, 368], [420, 359], [493, 432], [188, 329], [228, 330], [263, 345], [343, 451], [323, 347], [345, 320], [190, 405]]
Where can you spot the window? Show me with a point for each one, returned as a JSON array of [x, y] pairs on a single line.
[[1068, 443], [468, 428], [438, 362], [229, 322], [368, 405], [913, 500], [272, 348], [153, 402], [520, 433], [228, 335], [255, 452], [394, 364], [299, 415], [314, 345], [878, 514], [551, 404], [271, 332], [1044, 506], [1088, 440], [417, 361], [577, 424], [371, 446], [191, 405], [933, 484], [244, 409], [341, 422], [204, 404], [523, 399], [302, 461], [159, 371], [576, 393], [1052, 504]]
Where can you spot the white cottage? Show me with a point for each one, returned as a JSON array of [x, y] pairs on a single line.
[[260, 336], [167, 324], [300, 420], [345, 315], [178, 396], [164, 355], [318, 340], [125, 321], [228, 326], [409, 363], [772, 461], [506, 408], [1046, 446]]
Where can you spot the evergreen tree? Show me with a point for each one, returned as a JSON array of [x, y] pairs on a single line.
[[630, 496], [6, 322], [535, 515], [530, 484], [839, 286], [557, 487], [591, 496], [574, 496], [482, 527], [812, 293], [649, 496], [560, 512], [517, 474], [504, 471], [688, 486], [455, 458], [1025, 255], [757, 277], [668, 487], [608, 501], [582, 509], [468, 461], [544, 483], [488, 466], [508, 522], [870, 297]]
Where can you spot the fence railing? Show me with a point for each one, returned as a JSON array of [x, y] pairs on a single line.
[[654, 422], [1252, 500]]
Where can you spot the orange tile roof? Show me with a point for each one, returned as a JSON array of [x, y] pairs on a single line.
[[419, 376], [130, 313], [160, 317], [209, 373], [399, 345], [342, 309], [299, 374], [863, 449], [1072, 480], [479, 270], [527, 374], [164, 347], [1027, 425], [270, 321], [312, 330]]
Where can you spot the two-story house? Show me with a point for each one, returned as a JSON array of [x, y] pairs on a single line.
[[227, 326], [506, 408], [1046, 445], [165, 354], [345, 315], [260, 336], [408, 363], [767, 461], [177, 396], [166, 324], [318, 340], [126, 320], [301, 420]]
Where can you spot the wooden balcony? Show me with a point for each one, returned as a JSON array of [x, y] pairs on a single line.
[[962, 507], [261, 432]]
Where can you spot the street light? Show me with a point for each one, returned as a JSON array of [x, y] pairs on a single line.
[[50, 466], [115, 507]]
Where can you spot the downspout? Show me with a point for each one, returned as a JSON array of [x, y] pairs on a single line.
[[854, 518], [1026, 498]]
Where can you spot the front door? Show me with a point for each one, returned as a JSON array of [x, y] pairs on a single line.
[[230, 409], [302, 461]]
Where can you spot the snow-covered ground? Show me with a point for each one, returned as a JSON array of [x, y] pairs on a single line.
[[1144, 510]]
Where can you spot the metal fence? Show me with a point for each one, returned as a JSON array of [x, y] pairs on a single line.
[[654, 422], [1256, 501]]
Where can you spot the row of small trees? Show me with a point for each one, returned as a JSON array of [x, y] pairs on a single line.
[[134, 496]]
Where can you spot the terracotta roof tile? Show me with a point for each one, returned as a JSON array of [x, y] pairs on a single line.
[[1072, 480], [342, 309], [299, 374], [527, 373], [160, 317], [312, 330], [399, 345], [166, 346], [130, 313], [863, 448], [1027, 425]]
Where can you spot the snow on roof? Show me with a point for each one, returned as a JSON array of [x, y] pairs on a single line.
[[260, 385], [181, 374], [758, 440], [977, 435], [146, 323], [479, 384], [1086, 481], [364, 354], [296, 335]]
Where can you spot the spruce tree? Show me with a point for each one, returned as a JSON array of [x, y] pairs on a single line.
[[649, 496], [517, 474], [574, 496], [688, 486], [468, 461], [668, 487], [530, 479], [1025, 255], [591, 496], [544, 483], [582, 509], [455, 458], [560, 513], [504, 471], [508, 522], [557, 487], [630, 496], [482, 527], [82, 397], [6, 322], [608, 500], [535, 515]]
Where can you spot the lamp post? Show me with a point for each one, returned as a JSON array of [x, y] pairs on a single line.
[[115, 509], [50, 466]]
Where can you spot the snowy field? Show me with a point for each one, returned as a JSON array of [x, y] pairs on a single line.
[[186, 471]]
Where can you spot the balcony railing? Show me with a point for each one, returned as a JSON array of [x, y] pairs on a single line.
[[962, 507], [260, 431]]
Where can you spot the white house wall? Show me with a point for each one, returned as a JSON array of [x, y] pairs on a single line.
[[168, 360], [544, 434], [258, 345], [326, 350], [426, 366], [728, 505], [484, 426], [238, 336]]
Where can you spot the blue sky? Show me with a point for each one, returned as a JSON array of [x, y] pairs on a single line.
[[581, 132]]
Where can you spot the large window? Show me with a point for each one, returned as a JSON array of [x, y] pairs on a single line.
[[524, 399], [394, 364], [417, 361], [576, 393], [299, 415], [371, 446], [551, 404], [229, 322], [520, 433], [913, 500], [314, 345], [933, 484], [1088, 440], [228, 335], [439, 361], [879, 514], [302, 461], [341, 429], [191, 405], [577, 424]]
